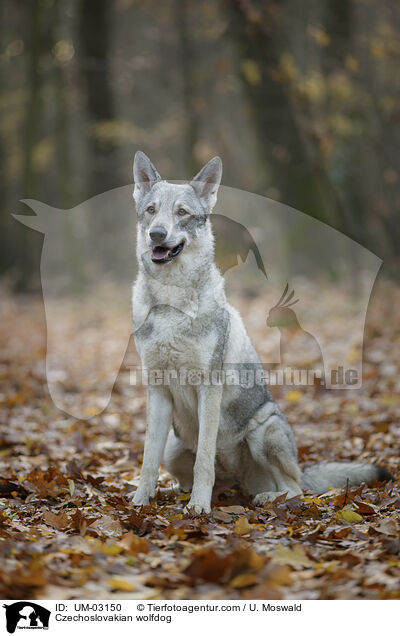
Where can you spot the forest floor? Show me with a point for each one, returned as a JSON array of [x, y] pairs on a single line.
[[67, 530]]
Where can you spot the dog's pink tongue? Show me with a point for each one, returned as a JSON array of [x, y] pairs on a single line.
[[160, 252]]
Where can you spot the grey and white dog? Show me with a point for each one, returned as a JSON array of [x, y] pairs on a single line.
[[206, 432]]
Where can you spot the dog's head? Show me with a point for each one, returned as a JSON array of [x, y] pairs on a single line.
[[172, 218]]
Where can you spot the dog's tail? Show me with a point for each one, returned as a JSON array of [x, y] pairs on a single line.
[[320, 477]]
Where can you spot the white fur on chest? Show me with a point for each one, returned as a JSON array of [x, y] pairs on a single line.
[[168, 347], [171, 315]]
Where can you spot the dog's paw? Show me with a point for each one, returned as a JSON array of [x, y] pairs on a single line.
[[140, 498], [268, 495], [198, 508], [140, 501]]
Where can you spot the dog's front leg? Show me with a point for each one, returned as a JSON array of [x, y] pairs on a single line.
[[159, 420], [209, 404]]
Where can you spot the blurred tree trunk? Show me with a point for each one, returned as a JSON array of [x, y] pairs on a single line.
[[95, 22], [371, 198], [291, 155], [281, 144], [189, 86], [37, 42], [291, 151], [5, 245], [64, 170], [94, 32], [376, 160], [61, 126], [350, 191]]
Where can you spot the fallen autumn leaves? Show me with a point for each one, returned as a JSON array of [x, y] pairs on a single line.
[[68, 531]]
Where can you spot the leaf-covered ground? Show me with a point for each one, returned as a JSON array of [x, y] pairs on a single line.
[[68, 531]]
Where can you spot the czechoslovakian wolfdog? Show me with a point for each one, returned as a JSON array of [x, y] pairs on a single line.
[[210, 431]]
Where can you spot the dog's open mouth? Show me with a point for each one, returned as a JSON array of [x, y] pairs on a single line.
[[162, 254]]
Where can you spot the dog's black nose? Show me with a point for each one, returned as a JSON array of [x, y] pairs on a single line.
[[158, 233]]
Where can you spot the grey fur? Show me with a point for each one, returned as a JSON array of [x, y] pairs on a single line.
[[248, 400], [320, 477], [182, 321]]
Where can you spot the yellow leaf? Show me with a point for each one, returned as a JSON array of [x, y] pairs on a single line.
[[297, 556], [288, 66], [315, 500], [184, 497], [71, 486], [256, 561], [354, 355], [121, 585], [351, 63], [293, 396], [251, 71], [351, 407], [378, 51], [328, 566], [321, 37], [244, 580], [242, 526], [42, 154], [91, 410], [389, 400], [349, 515], [112, 550]]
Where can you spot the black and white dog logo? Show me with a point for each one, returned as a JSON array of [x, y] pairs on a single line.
[[26, 615]]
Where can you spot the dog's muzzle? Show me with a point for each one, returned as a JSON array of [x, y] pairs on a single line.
[[162, 254]]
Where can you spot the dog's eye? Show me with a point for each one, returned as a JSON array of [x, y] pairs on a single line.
[[151, 209], [182, 212]]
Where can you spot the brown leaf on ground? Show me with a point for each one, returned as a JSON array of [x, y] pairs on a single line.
[[61, 521]]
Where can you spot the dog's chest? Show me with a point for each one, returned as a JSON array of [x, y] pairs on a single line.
[[171, 350], [167, 340]]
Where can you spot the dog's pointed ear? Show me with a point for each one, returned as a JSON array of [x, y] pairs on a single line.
[[145, 175], [206, 182]]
